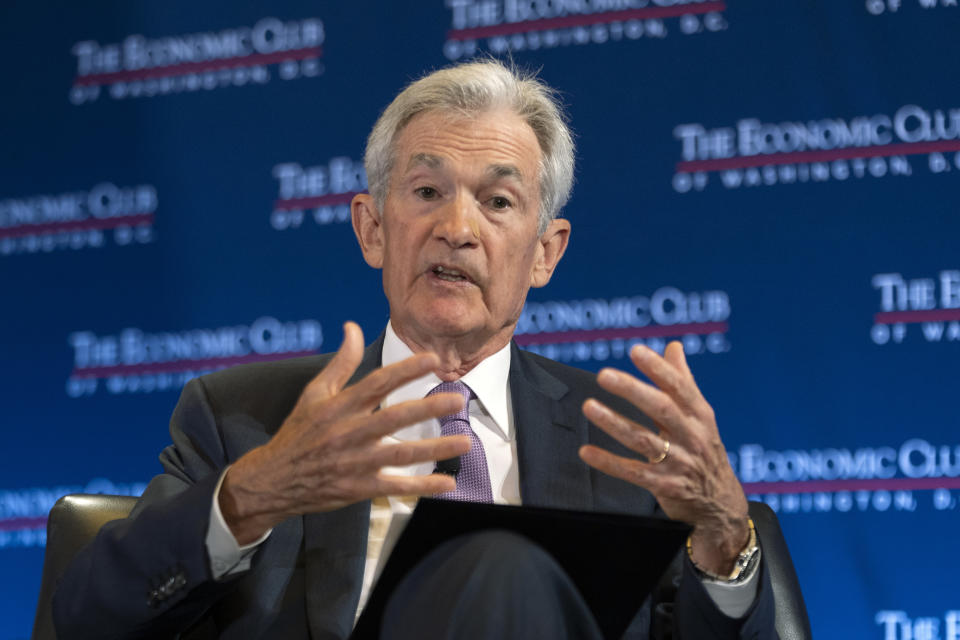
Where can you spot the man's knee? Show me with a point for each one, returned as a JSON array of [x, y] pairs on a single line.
[[492, 584], [498, 555]]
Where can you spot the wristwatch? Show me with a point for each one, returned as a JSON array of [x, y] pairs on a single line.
[[742, 566]]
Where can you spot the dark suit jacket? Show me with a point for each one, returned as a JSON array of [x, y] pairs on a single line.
[[149, 575]]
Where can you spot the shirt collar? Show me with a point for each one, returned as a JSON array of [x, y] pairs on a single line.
[[488, 379]]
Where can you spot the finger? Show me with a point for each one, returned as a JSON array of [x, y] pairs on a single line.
[[670, 489], [627, 432], [675, 355], [652, 401], [335, 375], [666, 376], [633, 471], [382, 423], [650, 477], [390, 485], [370, 392], [429, 450]]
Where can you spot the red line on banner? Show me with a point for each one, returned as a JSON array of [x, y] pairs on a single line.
[[930, 315], [15, 524], [872, 484], [624, 333], [86, 224], [582, 20], [182, 365], [906, 148], [185, 68], [317, 201]]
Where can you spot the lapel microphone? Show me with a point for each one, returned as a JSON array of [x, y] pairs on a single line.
[[450, 466]]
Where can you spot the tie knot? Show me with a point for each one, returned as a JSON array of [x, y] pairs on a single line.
[[455, 387]]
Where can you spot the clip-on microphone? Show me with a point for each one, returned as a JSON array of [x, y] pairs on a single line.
[[450, 466]]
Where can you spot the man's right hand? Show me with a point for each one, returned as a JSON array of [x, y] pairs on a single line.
[[328, 452]]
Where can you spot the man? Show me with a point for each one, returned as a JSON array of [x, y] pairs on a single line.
[[265, 522]]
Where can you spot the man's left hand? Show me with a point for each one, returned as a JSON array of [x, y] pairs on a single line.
[[693, 481]]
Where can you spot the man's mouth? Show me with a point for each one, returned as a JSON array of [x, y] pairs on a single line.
[[450, 275]]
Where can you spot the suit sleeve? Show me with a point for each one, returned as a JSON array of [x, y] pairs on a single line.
[[683, 610], [148, 575]]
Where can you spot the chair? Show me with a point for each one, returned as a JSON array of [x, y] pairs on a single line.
[[792, 620], [75, 520]]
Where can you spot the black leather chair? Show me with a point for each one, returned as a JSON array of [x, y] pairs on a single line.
[[792, 620], [75, 520]]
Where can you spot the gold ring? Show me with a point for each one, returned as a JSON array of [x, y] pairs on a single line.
[[663, 454]]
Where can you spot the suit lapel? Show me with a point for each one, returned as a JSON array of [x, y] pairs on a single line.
[[335, 547], [549, 433]]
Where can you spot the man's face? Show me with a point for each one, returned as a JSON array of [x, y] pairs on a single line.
[[457, 239]]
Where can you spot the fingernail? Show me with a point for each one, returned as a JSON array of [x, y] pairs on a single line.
[[607, 375]]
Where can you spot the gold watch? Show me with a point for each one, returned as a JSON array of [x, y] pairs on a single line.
[[744, 561]]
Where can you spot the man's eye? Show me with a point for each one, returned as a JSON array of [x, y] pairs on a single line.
[[427, 193], [499, 202]]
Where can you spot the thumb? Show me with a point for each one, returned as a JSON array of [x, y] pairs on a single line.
[[335, 375]]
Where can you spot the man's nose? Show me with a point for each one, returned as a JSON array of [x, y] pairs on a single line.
[[458, 224]]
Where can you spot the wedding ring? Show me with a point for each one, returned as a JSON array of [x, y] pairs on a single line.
[[663, 454]]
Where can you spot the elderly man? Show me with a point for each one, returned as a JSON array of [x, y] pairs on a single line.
[[281, 477]]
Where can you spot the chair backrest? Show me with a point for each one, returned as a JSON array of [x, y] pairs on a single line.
[[792, 620], [73, 522]]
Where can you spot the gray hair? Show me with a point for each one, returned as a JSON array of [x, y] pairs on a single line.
[[469, 89]]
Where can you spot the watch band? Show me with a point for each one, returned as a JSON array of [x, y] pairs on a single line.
[[743, 564]]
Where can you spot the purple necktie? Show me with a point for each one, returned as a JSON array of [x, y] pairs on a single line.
[[473, 479]]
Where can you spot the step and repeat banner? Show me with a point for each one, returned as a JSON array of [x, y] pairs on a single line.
[[774, 184]]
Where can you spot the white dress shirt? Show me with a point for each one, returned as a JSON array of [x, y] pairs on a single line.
[[491, 418]]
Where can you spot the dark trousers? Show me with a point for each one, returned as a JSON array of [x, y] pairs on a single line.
[[490, 585]]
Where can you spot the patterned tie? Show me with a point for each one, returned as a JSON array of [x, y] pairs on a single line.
[[473, 479]]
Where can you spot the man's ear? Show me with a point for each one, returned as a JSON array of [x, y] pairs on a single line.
[[553, 242], [367, 227]]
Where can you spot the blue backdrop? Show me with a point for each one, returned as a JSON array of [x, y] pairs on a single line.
[[773, 183]]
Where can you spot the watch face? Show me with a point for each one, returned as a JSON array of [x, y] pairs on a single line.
[[744, 565]]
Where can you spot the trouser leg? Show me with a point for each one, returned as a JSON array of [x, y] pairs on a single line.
[[489, 585]]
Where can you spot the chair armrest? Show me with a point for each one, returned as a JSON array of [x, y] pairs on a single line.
[[73, 522], [791, 612]]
